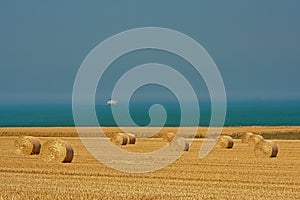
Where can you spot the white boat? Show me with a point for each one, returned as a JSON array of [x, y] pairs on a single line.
[[112, 101]]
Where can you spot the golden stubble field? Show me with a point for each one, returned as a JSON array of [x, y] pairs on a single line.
[[223, 174]]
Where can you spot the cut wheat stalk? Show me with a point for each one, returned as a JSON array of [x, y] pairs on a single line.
[[27, 145], [56, 150]]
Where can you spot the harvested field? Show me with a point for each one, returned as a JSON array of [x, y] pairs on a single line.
[[224, 174], [268, 132]]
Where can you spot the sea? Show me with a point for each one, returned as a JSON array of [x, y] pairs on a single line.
[[239, 113]]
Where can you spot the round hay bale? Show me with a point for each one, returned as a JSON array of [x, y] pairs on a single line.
[[119, 138], [27, 145], [56, 150], [225, 142], [254, 139], [266, 149], [245, 137], [169, 137], [179, 144], [130, 138]]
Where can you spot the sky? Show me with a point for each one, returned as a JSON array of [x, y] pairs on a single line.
[[255, 44]]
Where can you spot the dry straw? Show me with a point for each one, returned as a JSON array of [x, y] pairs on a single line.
[[225, 142], [169, 137], [254, 139], [27, 145], [130, 138], [245, 137], [179, 144], [119, 138], [56, 150], [265, 149]]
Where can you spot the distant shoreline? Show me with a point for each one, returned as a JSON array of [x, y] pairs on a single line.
[[269, 132]]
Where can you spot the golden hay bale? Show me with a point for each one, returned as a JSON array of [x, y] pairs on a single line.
[[130, 138], [225, 142], [266, 149], [245, 137], [27, 145], [169, 137], [254, 139], [56, 150], [119, 138], [179, 144]]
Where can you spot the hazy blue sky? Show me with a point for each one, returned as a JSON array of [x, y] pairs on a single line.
[[255, 44]]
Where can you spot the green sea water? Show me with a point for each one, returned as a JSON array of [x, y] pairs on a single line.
[[279, 113]]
